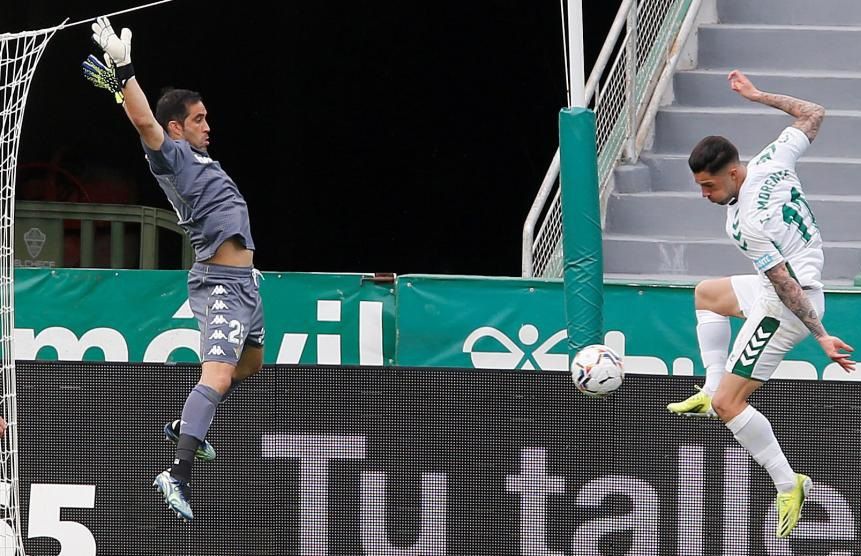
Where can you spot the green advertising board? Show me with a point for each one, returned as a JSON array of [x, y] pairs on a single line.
[[491, 323], [143, 315], [348, 319], [520, 324]]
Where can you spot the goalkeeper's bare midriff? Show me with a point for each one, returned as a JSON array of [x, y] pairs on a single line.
[[232, 253]]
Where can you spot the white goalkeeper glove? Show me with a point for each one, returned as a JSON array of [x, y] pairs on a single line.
[[118, 48]]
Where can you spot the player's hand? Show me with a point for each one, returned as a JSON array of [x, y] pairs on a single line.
[[118, 48], [834, 348], [103, 76], [739, 83]]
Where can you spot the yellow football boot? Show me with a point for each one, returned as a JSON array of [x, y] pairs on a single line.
[[789, 505], [699, 405]]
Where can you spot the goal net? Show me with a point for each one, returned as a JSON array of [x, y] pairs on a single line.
[[19, 55]]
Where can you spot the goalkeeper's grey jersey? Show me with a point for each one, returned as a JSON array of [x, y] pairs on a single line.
[[210, 207]]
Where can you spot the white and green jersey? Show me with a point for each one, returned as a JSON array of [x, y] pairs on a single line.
[[771, 222]]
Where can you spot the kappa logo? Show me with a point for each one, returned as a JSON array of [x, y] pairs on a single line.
[[219, 319], [514, 356], [218, 290], [217, 335], [203, 159], [219, 305], [216, 350]]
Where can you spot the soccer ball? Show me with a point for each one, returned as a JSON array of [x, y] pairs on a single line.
[[597, 371]]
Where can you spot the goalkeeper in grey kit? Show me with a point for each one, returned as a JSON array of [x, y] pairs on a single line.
[[223, 283]]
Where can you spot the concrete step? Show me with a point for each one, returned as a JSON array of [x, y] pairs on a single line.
[[657, 224], [785, 47], [678, 129], [681, 214], [790, 12], [819, 176], [680, 256], [833, 90]]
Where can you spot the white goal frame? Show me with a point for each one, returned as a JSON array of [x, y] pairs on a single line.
[[19, 56]]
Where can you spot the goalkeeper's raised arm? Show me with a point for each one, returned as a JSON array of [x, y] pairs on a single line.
[[135, 103]]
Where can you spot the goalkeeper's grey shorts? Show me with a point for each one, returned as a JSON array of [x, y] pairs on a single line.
[[226, 302]]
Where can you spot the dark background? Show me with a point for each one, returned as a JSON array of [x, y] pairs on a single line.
[[406, 137]]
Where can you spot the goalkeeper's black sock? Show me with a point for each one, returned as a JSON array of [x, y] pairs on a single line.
[[186, 447]]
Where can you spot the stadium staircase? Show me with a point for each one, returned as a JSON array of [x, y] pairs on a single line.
[[658, 225]]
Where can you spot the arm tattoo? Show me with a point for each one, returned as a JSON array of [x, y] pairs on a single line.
[[808, 115], [791, 294]]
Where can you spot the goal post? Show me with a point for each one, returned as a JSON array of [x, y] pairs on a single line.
[[19, 55]]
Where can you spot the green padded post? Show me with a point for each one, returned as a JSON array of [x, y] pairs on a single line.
[[583, 270]]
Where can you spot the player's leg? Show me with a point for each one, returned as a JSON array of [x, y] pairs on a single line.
[[757, 351], [770, 331], [251, 360], [715, 300], [197, 415], [222, 307], [250, 363], [201, 294]]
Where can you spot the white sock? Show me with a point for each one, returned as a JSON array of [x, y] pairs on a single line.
[[754, 433], [713, 334]]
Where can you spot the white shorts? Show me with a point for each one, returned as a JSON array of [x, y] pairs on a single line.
[[770, 329]]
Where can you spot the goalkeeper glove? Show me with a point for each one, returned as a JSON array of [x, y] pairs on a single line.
[[118, 48], [103, 76]]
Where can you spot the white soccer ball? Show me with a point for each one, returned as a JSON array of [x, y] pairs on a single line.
[[597, 371]]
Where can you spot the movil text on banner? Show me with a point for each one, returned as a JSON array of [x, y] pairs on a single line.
[[144, 316]]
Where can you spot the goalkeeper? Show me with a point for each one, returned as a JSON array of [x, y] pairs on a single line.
[[222, 283]]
